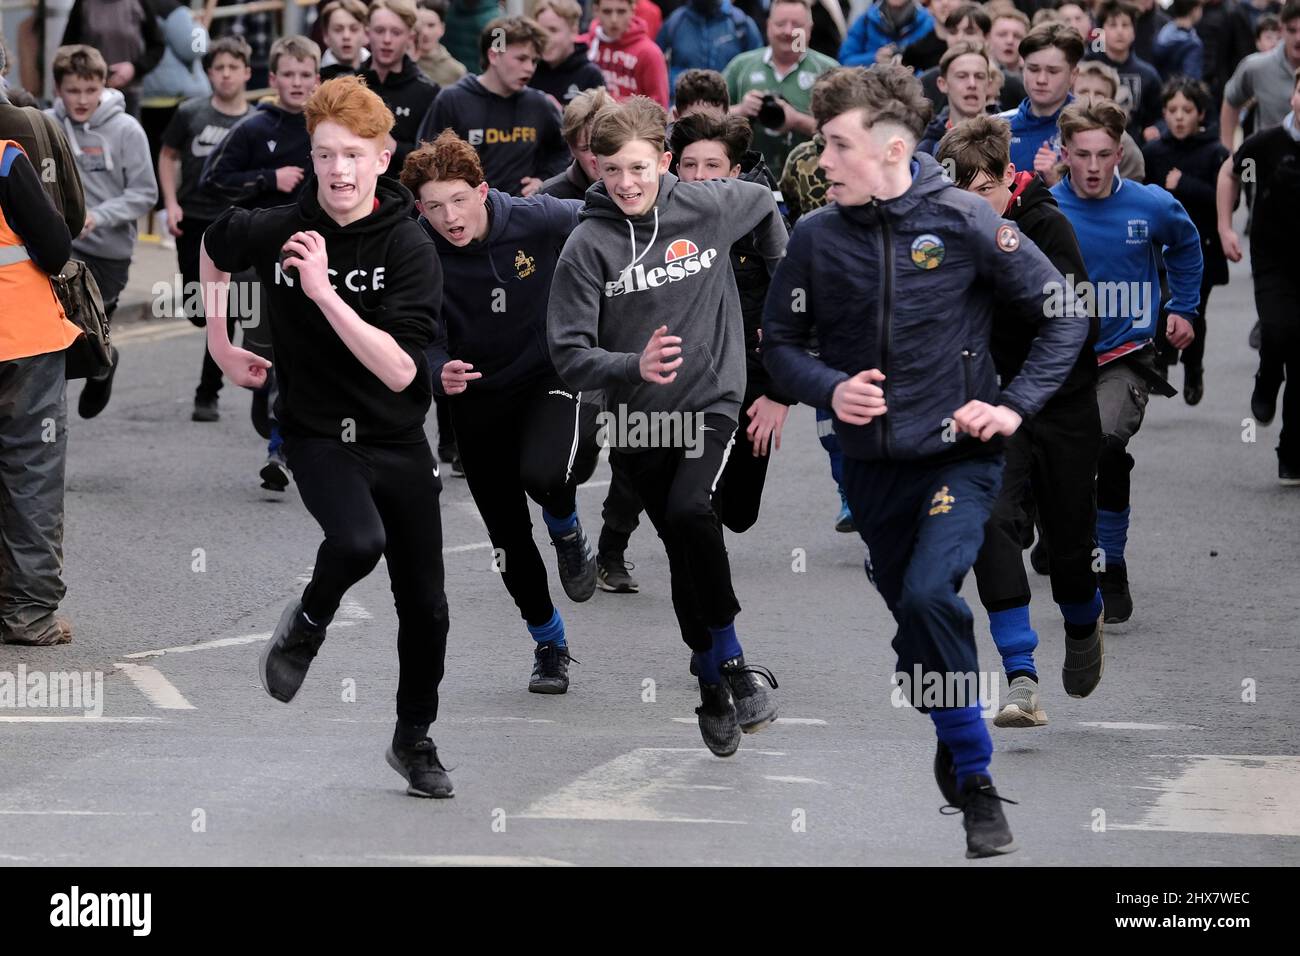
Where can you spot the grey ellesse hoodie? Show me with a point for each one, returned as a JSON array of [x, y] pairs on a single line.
[[618, 279]]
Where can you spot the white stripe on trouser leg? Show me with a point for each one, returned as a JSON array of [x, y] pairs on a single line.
[[726, 453], [573, 450]]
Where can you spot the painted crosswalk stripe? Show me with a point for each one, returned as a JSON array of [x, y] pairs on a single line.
[[1226, 793], [158, 689], [631, 788]]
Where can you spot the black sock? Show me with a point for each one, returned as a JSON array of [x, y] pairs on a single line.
[[408, 735], [1078, 632], [1014, 674]]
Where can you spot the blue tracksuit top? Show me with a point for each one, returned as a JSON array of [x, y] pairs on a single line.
[[1121, 238]]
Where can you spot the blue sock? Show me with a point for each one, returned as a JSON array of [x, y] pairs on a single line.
[[551, 631], [1083, 614], [725, 643], [559, 526], [1112, 534], [964, 733], [1016, 640]]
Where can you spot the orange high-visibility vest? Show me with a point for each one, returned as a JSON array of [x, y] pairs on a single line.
[[31, 319]]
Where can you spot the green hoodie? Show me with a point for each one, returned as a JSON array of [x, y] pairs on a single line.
[[618, 279]]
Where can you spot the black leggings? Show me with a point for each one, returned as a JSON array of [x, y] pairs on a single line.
[[373, 500], [677, 493], [535, 442]]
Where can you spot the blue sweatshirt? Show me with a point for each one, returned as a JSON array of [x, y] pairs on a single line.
[[1029, 132], [706, 35], [1120, 237], [872, 30], [495, 292]]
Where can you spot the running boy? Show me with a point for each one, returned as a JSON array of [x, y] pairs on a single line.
[[520, 432], [195, 130], [898, 279], [355, 287], [650, 250], [1123, 228], [1054, 453]]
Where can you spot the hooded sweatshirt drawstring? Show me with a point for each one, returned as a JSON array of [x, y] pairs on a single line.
[[632, 236]]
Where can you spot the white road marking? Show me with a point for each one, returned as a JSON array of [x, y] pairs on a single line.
[[467, 547], [795, 780], [72, 813], [204, 646], [602, 483], [158, 689], [628, 788], [1227, 793], [352, 610]]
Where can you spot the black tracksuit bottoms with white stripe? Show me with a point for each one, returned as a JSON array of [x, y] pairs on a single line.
[[676, 487], [537, 440]]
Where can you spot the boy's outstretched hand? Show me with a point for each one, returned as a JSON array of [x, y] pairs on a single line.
[[984, 420], [242, 367], [657, 362]]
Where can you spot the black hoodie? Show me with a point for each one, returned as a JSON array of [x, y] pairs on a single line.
[[570, 77], [1198, 157], [516, 136], [409, 94], [385, 268], [571, 183], [1034, 210], [241, 170]]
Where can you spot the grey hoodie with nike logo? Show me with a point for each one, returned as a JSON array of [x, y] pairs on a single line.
[[619, 278]]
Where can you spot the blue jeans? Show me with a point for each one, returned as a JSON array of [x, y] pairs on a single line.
[[923, 523]]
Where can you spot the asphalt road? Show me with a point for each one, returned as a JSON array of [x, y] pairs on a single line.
[[171, 545]]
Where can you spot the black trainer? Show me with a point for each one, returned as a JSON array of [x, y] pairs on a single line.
[[717, 718], [94, 397], [1287, 475], [1115, 596], [1263, 402], [987, 830], [945, 775], [275, 473], [577, 564], [612, 574], [1085, 659], [289, 653], [755, 708], [205, 410], [550, 669], [457, 469], [448, 453], [419, 765]]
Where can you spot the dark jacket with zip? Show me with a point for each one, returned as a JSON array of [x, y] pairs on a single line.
[[1199, 157], [909, 286], [384, 267], [410, 95], [495, 292], [241, 170], [752, 281], [1034, 210]]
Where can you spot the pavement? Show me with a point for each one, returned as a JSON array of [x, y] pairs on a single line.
[[178, 566]]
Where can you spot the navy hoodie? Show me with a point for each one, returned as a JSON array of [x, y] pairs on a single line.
[[385, 268], [241, 170], [516, 136], [495, 292]]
